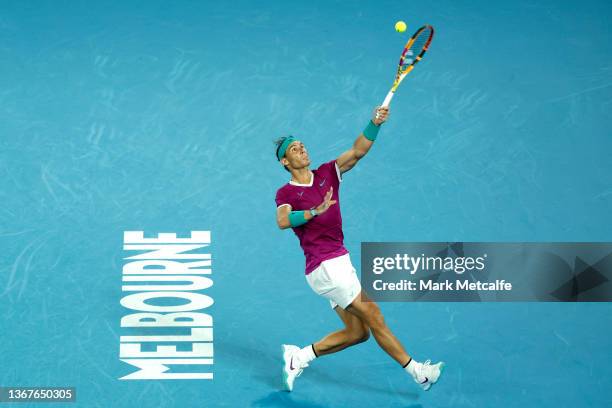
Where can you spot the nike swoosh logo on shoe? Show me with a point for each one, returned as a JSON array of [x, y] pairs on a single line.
[[426, 380], [291, 364]]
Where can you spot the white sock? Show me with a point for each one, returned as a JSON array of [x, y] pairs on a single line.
[[412, 367], [306, 355]]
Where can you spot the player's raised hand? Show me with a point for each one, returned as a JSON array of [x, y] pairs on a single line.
[[381, 113], [327, 202]]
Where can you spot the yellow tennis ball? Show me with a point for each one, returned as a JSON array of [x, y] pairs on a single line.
[[400, 26]]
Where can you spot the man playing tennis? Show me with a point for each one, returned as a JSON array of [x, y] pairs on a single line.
[[309, 205]]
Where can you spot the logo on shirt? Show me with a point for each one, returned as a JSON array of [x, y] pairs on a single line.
[[300, 194], [322, 183]]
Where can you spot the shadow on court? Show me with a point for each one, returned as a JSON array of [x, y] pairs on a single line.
[[284, 399], [362, 383], [264, 366]]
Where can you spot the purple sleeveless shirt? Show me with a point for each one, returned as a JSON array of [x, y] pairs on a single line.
[[321, 238]]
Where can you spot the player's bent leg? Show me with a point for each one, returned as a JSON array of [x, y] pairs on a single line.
[[296, 359], [355, 332], [425, 374], [370, 314], [358, 331], [336, 280]]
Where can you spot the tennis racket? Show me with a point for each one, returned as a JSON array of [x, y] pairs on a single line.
[[413, 52]]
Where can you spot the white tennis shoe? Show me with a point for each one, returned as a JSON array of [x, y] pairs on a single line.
[[428, 374], [292, 368]]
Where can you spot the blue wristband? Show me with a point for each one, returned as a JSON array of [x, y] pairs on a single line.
[[297, 218], [371, 131]]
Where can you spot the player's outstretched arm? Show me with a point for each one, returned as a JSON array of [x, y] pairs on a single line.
[[285, 218], [364, 142]]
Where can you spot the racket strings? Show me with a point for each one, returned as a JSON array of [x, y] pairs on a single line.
[[413, 52], [420, 42]]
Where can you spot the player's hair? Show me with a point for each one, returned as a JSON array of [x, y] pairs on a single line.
[[278, 142]]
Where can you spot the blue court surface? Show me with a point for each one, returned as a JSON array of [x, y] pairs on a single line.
[[159, 117]]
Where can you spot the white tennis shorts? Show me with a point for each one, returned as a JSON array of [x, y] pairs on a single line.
[[336, 280]]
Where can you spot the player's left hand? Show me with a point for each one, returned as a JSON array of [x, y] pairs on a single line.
[[381, 113]]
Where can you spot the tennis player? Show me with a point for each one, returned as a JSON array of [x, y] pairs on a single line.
[[309, 205]]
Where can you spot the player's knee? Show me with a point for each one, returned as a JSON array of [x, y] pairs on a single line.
[[365, 335], [359, 336]]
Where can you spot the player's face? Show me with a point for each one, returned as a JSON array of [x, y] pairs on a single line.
[[297, 155]]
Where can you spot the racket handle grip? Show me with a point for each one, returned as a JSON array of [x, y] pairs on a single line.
[[387, 101], [388, 98]]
